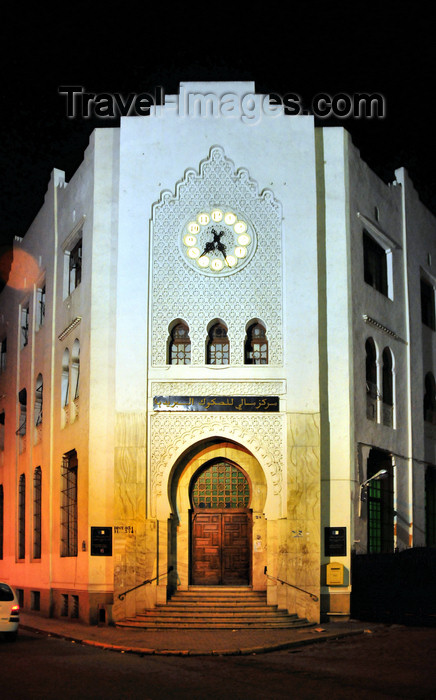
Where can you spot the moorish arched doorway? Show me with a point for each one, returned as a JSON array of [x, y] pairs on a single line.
[[221, 525]]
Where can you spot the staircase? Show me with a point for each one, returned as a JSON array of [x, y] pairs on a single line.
[[208, 607]]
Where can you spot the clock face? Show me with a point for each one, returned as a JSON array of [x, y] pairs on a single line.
[[217, 242]]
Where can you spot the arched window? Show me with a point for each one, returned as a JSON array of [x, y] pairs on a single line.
[[180, 345], [69, 505], [38, 400], [371, 380], [220, 485], [256, 345], [22, 517], [218, 347], [37, 495], [430, 399], [388, 388], [65, 384], [75, 370]]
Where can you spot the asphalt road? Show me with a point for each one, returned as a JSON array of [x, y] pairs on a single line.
[[393, 662]]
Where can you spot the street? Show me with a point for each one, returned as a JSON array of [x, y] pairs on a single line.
[[392, 662]]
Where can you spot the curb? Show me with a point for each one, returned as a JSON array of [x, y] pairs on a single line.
[[144, 651]]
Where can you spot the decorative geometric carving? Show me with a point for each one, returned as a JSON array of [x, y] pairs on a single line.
[[264, 435], [181, 292], [190, 388]]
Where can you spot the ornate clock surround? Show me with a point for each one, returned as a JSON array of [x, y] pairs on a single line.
[[252, 289]]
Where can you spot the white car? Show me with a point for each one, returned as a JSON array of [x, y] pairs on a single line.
[[9, 612]]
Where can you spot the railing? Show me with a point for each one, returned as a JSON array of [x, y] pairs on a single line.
[[121, 596], [274, 578]]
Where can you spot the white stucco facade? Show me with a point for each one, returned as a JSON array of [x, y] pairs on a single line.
[[307, 199]]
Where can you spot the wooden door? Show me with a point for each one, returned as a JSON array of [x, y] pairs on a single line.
[[221, 547]]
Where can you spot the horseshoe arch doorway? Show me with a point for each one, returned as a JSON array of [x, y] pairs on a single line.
[[221, 525]]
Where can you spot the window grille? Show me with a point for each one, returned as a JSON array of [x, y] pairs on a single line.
[[37, 496], [218, 349], [180, 345], [22, 517], [256, 347], [64, 608], [35, 600], [69, 505], [221, 485]]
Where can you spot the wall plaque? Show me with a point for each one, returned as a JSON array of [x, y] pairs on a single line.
[[335, 541], [241, 404], [101, 541]]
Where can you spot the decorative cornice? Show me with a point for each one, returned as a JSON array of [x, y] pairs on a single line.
[[383, 328], [69, 328]]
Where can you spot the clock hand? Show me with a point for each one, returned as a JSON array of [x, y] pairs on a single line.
[[208, 248]]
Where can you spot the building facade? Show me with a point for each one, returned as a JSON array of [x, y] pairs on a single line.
[[213, 338]]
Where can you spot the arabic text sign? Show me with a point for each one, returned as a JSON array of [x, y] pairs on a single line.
[[244, 404]]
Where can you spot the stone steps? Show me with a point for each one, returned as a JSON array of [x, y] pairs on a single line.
[[209, 607]]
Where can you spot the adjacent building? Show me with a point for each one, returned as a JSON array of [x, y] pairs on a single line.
[[212, 339]]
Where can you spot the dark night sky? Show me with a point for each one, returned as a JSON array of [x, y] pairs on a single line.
[[387, 50]]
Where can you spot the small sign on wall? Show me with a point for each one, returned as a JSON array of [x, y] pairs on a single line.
[[101, 541], [335, 541]]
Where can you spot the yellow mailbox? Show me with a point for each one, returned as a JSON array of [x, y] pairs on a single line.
[[335, 574]]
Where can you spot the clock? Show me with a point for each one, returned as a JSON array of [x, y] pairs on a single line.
[[217, 241]]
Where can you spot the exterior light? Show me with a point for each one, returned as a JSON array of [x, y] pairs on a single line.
[[382, 474]]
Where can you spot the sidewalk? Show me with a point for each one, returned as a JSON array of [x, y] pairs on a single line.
[[194, 642]]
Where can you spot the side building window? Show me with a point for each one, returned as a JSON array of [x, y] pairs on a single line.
[[180, 345], [380, 504], [3, 355], [37, 500], [75, 267], [427, 304], [69, 505], [375, 264], [40, 305], [256, 345], [429, 399], [218, 345], [22, 517], [2, 430], [430, 506], [24, 331]]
